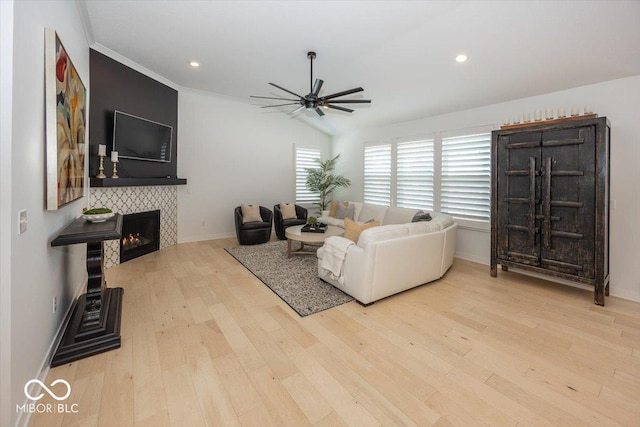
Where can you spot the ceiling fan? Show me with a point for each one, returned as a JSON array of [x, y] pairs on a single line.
[[312, 101]]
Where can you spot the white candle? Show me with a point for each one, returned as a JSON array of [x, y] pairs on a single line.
[[575, 111], [516, 119], [526, 118], [507, 121], [538, 115], [587, 110], [561, 113], [549, 113], [102, 150], [114, 156]]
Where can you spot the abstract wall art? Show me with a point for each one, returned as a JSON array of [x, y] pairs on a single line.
[[66, 117]]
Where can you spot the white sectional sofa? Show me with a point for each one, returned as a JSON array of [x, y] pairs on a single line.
[[396, 256]]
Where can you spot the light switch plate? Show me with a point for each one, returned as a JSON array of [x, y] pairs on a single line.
[[22, 221]]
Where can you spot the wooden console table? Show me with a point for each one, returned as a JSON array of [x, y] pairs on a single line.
[[94, 326]]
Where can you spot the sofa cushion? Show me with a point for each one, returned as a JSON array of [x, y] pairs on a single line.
[[255, 225], [344, 212], [250, 213], [352, 230], [288, 210], [333, 208], [358, 207], [377, 234], [438, 223], [398, 215], [370, 211], [329, 220]]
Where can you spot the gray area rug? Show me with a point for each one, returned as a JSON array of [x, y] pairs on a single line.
[[294, 280]]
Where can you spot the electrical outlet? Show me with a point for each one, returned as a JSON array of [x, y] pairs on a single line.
[[55, 304], [188, 190], [22, 221]]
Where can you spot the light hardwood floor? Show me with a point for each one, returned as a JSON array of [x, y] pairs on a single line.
[[206, 343]]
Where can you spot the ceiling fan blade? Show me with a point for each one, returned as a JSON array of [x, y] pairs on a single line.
[[268, 97], [350, 101], [280, 105], [346, 92], [316, 87], [296, 110], [286, 90], [335, 107], [319, 111]]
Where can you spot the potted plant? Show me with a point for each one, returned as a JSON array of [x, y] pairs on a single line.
[[312, 220], [323, 181]]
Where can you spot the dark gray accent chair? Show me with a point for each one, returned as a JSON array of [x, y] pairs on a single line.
[[281, 224], [253, 233]]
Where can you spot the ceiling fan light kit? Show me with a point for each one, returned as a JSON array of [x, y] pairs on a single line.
[[313, 100]]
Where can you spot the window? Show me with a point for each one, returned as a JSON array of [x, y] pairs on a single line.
[[466, 176], [449, 174], [377, 174], [305, 158], [414, 175]]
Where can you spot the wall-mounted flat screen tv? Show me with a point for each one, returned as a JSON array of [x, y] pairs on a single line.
[[141, 139]]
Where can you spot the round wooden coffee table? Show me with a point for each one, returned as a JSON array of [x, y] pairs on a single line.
[[295, 233]]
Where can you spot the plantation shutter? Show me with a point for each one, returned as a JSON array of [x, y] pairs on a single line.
[[414, 175], [377, 174], [305, 159], [466, 179]]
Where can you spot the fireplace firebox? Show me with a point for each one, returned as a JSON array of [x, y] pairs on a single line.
[[140, 235]]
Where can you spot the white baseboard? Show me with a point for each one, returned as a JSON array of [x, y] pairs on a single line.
[[202, 237], [472, 258], [23, 419]]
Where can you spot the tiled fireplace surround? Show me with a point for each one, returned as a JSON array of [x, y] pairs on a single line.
[[127, 200]]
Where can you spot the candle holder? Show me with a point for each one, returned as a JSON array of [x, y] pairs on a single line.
[[101, 168], [115, 170]]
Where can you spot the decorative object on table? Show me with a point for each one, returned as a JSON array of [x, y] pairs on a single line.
[[65, 106], [114, 161], [550, 200], [97, 214], [313, 101], [561, 113], [316, 227], [321, 180], [575, 111], [102, 153], [294, 280], [312, 220]]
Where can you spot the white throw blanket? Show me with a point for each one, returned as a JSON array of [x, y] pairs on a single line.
[[334, 253]]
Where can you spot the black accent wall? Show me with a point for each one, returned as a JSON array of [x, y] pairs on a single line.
[[114, 86]]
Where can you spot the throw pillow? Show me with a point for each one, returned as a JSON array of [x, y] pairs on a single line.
[[352, 229], [250, 213], [288, 211], [345, 212], [334, 207], [421, 216]]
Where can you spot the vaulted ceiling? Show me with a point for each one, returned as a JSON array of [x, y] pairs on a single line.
[[401, 53]]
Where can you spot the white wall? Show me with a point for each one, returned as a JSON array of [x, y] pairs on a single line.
[[37, 271], [232, 153], [617, 100], [6, 71]]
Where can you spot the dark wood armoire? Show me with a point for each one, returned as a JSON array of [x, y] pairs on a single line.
[[550, 200]]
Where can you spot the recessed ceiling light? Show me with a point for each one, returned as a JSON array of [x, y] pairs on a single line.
[[461, 58], [194, 64]]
